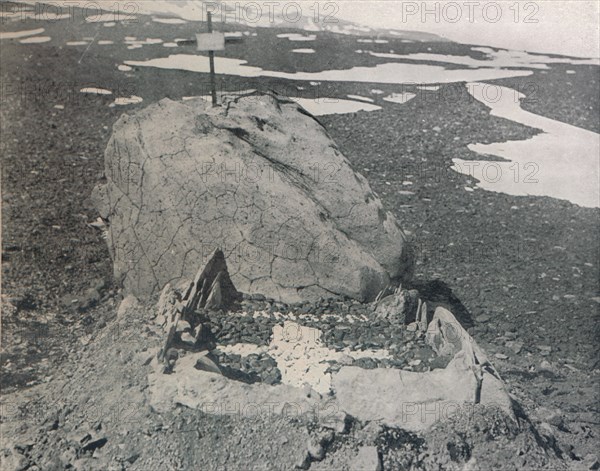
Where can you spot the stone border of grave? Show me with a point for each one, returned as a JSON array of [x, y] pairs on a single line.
[[184, 372]]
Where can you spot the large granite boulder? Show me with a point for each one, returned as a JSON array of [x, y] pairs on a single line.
[[260, 179]]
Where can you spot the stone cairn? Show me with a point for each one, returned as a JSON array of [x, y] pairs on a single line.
[[186, 325]]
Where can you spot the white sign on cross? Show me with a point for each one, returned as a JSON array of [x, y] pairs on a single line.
[[211, 42]]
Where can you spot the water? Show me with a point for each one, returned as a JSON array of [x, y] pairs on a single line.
[[562, 162]]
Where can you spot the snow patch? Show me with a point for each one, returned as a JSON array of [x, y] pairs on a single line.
[[35, 40], [399, 97], [96, 91], [20, 34]]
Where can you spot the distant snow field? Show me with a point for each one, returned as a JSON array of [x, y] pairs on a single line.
[[371, 41], [110, 17], [170, 21]]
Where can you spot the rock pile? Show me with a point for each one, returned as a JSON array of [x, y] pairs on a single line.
[[260, 179], [186, 325]]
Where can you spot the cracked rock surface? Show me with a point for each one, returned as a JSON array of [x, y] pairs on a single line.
[[259, 178]]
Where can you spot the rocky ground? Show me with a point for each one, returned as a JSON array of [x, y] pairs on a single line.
[[95, 415], [525, 269]]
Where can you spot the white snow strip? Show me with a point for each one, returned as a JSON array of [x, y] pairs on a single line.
[[399, 97], [35, 40], [298, 37], [360, 98], [132, 100], [325, 106], [20, 34], [96, 91]]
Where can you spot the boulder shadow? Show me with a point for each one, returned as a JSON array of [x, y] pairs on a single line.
[[437, 293]]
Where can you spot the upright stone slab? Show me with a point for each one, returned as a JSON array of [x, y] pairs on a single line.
[[259, 178]]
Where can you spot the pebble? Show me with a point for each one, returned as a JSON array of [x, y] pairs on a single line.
[[304, 461], [591, 462], [345, 360], [514, 346], [370, 432], [501, 356], [551, 416], [544, 349], [338, 421], [367, 459], [316, 449]]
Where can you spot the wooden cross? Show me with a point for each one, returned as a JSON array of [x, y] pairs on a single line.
[[210, 42]]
